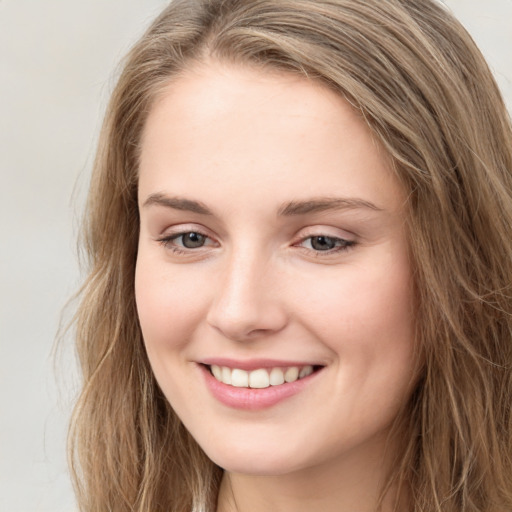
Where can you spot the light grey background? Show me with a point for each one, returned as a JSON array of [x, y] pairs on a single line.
[[57, 62]]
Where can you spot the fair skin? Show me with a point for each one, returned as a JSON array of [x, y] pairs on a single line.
[[271, 238]]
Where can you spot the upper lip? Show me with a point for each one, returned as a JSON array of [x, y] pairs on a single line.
[[254, 364]]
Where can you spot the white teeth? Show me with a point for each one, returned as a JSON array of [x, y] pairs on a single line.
[[261, 378], [291, 374], [226, 375], [217, 372], [239, 378], [305, 371], [276, 377]]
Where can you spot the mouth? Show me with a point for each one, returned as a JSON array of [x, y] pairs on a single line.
[[257, 384], [261, 378]]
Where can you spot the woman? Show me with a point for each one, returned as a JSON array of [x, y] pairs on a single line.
[[300, 288]]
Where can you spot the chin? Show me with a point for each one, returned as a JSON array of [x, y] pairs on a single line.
[[256, 466], [255, 459]]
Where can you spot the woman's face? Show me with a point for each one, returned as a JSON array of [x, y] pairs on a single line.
[[272, 247]]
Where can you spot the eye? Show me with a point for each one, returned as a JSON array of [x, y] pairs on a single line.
[[191, 240], [322, 243], [188, 240]]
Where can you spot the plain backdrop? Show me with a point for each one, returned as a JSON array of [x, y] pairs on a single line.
[[57, 66]]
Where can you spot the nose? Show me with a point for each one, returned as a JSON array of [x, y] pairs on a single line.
[[248, 301]]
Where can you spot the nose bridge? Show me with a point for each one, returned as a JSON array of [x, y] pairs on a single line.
[[247, 299]]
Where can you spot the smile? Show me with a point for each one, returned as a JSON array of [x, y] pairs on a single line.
[[260, 378], [257, 384]]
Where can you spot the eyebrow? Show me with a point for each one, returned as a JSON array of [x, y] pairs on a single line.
[[323, 204], [292, 208], [177, 203]]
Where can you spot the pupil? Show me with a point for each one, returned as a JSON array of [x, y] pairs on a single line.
[[192, 240], [322, 243]]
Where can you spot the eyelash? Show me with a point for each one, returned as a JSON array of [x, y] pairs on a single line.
[[166, 242], [341, 244]]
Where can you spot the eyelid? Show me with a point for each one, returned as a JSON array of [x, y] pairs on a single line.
[[327, 231], [180, 229], [342, 242], [344, 239], [173, 232]]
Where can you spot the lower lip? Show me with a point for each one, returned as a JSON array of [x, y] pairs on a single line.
[[253, 399]]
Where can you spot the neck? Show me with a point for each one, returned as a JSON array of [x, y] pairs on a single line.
[[353, 484]]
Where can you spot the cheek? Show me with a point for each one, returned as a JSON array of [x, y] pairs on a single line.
[[167, 313], [168, 309], [365, 316], [361, 305]]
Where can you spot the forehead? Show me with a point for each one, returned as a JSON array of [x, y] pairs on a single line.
[[249, 130]]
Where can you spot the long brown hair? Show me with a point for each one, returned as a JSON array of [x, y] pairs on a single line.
[[428, 96]]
